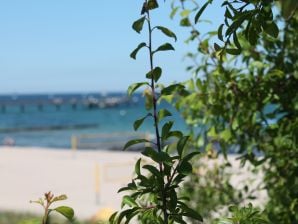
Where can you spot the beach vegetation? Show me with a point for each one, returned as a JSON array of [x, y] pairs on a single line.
[[241, 99], [242, 95], [47, 204]]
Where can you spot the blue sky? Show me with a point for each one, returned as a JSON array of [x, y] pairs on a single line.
[[80, 45]]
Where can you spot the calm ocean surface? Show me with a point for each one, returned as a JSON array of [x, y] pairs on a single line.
[[40, 123]]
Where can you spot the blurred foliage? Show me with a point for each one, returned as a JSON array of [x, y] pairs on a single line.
[[209, 189], [9, 217], [244, 215], [243, 95]]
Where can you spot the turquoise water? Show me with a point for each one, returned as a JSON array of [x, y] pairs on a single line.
[[52, 127]]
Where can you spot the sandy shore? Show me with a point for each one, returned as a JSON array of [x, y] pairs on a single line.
[[89, 178]]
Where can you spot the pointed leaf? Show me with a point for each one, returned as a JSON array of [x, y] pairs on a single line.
[[155, 74], [153, 170], [163, 113], [152, 4], [190, 212], [127, 200], [138, 24], [236, 42], [271, 29], [181, 144], [185, 22], [167, 32], [200, 12], [166, 129], [135, 51], [67, 212], [173, 12], [138, 167], [59, 198], [233, 51], [217, 47], [139, 122], [134, 142], [132, 88], [190, 156], [151, 153], [165, 47], [171, 88], [219, 32], [185, 168]]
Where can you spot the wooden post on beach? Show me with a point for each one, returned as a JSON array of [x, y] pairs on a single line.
[[97, 184], [74, 143]]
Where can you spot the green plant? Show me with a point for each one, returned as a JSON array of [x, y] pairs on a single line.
[[47, 202], [242, 96], [153, 197], [244, 215]]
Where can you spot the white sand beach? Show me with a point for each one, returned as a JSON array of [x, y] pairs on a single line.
[[90, 179]]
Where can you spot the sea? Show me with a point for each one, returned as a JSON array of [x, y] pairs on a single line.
[[57, 120]]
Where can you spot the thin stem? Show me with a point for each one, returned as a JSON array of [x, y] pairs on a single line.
[[154, 101], [45, 217]]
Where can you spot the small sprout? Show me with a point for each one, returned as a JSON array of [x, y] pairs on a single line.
[[46, 203]]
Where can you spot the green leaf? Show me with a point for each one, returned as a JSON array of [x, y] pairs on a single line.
[[228, 14], [185, 168], [167, 32], [185, 22], [236, 42], [163, 113], [177, 134], [171, 88], [67, 212], [59, 198], [252, 36], [152, 4], [135, 51], [139, 122], [190, 156], [132, 88], [138, 167], [219, 32], [217, 47], [200, 12], [155, 74], [271, 28], [190, 212], [181, 144], [173, 200], [151, 153], [166, 129], [153, 170], [165, 47], [173, 12], [113, 217], [128, 200], [138, 24], [233, 51], [134, 142]]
